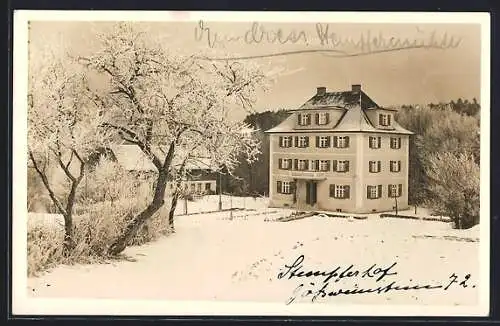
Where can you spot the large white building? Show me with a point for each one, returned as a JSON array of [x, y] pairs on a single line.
[[339, 151]]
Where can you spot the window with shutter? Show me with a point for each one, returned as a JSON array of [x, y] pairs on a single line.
[[322, 118], [341, 141], [373, 166], [332, 190], [323, 141], [285, 187], [395, 142], [278, 188], [284, 164], [303, 141], [323, 165], [285, 141], [347, 192], [342, 166], [312, 165]]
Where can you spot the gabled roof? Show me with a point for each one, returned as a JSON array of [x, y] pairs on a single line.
[[355, 119], [353, 105], [132, 158], [340, 100]]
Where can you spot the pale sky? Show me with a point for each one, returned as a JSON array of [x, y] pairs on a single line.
[[411, 76]]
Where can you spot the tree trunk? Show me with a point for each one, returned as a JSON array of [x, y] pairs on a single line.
[[134, 225], [69, 244], [171, 213], [158, 201]]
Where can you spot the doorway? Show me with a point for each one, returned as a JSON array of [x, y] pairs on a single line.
[[311, 192]]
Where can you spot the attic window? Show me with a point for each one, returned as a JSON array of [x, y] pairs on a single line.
[[304, 119], [322, 118], [384, 120]]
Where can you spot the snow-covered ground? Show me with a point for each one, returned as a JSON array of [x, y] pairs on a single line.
[[211, 257]]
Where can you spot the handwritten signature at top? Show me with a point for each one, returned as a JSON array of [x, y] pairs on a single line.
[[324, 40]]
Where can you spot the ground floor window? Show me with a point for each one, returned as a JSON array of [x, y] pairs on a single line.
[[395, 190], [340, 191], [207, 186], [285, 187], [374, 192]]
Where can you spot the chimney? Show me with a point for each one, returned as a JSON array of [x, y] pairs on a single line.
[[356, 88], [321, 91]]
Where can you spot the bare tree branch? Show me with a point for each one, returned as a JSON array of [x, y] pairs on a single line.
[[46, 183]]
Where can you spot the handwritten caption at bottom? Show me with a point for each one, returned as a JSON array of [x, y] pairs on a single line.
[[381, 275]]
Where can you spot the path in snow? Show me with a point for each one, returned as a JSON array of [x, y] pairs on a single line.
[[211, 257]]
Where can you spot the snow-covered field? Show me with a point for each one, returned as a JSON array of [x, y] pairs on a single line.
[[211, 257]]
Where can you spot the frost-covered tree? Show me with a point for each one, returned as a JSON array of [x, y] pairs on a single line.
[[454, 187], [436, 131], [173, 107], [63, 130]]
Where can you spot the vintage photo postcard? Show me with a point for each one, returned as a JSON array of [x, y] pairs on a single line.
[[251, 163]]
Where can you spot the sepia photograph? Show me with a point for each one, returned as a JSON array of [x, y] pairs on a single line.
[[265, 163]]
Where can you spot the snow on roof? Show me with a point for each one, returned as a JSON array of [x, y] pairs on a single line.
[[339, 99], [353, 103], [132, 158]]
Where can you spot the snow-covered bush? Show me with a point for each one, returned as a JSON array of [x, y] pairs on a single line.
[[113, 196], [454, 185], [45, 248]]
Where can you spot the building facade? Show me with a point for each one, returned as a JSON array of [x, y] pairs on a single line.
[[202, 180], [340, 152]]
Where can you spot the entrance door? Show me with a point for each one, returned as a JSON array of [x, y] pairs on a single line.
[[311, 193]]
